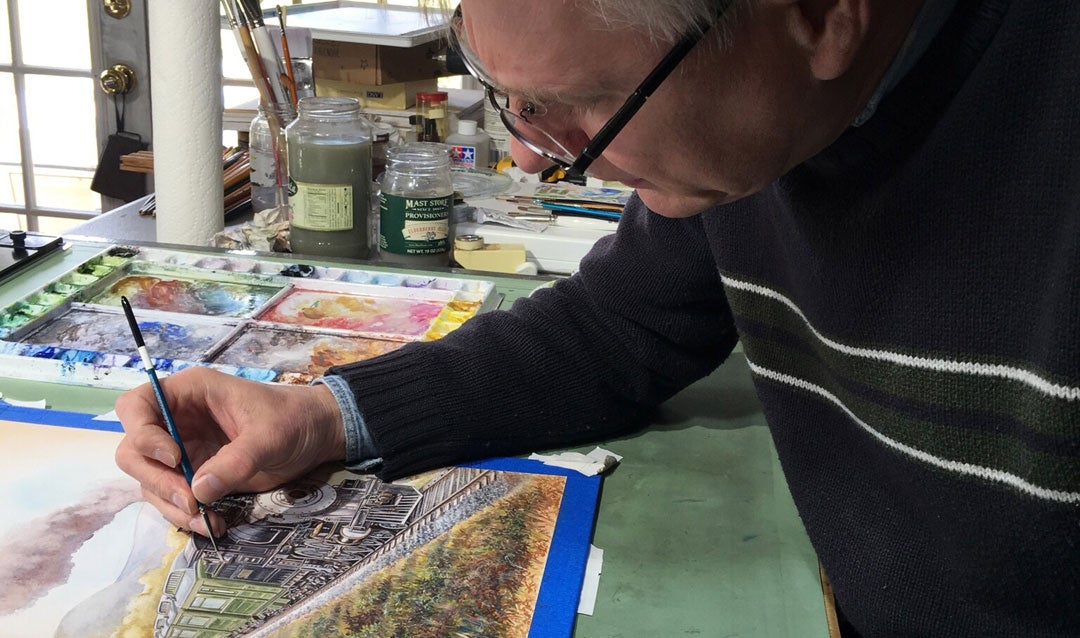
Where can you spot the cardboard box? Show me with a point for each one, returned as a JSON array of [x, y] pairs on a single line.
[[372, 64], [377, 96]]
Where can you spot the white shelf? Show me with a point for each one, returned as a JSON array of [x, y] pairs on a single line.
[[366, 23]]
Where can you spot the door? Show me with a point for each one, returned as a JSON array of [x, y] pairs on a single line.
[[54, 117]]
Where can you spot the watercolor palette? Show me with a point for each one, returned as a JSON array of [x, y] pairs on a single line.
[[257, 319]]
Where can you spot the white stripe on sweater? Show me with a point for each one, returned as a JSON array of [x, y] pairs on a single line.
[[938, 365], [959, 467]]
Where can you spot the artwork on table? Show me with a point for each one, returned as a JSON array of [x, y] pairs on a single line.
[[257, 319], [496, 548]]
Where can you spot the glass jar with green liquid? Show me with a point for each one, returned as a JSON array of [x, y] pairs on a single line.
[[329, 148]]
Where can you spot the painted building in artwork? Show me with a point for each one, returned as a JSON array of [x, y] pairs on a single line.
[[292, 541], [195, 605]]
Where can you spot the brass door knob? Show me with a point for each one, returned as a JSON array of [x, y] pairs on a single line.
[[117, 8], [118, 79]]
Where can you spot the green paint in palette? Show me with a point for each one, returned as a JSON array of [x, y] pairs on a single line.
[[57, 292]]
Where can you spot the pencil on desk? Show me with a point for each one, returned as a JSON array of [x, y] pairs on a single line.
[[236, 177]]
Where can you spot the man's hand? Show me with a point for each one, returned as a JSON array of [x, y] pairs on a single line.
[[240, 435]]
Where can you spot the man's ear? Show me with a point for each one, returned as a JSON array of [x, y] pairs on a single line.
[[830, 32]]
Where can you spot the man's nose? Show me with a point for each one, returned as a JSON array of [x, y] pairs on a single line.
[[527, 160]]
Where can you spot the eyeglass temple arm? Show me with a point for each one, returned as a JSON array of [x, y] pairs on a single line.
[[637, 99]]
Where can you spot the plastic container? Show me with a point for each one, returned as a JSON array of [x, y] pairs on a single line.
[[383, 136], [329, 149], [433, 116], [470, 147], [415, 205], [267, 157]]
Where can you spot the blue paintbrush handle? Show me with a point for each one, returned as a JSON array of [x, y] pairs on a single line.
[[170, 425]]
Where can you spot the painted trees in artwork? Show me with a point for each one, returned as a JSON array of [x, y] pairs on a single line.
[[479, 579]]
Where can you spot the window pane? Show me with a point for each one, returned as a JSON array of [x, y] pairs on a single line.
[[54, 33], [5, 38], [11, 186], [63, 128], [232, 63], [240, 96], [68, 189], [11, 221], [56, 225], [9, 122]]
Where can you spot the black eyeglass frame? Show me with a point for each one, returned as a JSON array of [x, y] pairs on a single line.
[[596, 145]]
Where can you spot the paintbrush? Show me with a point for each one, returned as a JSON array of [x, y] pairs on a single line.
[[264, 45], [251, 57], [563, 201], [285, 54], [234, 26], [170, 424], [577, 211]]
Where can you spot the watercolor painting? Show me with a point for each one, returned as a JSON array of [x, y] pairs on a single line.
[[386, 317], [473, 550], [63, 537], [299, 351]]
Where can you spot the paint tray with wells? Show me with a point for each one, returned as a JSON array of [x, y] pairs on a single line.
[[257, 319]]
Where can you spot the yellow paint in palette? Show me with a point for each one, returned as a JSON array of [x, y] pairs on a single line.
[[452, 316]]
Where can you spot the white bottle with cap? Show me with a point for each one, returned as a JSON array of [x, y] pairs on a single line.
[[470, 147]]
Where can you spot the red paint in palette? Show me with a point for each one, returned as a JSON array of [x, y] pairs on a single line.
[[390, 317]]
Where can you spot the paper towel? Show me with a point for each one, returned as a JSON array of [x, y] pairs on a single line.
[[185, 92]]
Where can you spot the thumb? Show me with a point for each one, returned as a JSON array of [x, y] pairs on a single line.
[[230, 470]]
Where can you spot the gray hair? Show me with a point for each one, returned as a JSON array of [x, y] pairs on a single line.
[[659, 20], [668, 20]]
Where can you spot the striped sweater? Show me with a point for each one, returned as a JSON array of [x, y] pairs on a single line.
[[909, 304]]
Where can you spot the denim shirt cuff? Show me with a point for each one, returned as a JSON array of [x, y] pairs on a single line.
[[360, 452]]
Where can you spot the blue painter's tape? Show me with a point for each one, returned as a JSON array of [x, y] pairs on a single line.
[[56, 417], [560, 588]]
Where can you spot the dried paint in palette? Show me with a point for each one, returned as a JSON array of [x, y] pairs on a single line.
[[190, 296], [387, 317], [239, 315], [56, 293], [93, 330], [299, 351]]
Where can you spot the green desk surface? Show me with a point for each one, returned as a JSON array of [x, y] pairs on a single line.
[[699, 532]]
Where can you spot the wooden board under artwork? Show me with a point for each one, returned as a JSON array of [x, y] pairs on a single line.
[[490, 549]]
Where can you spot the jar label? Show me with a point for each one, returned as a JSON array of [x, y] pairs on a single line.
[[322, 206], [414, 225], [462, 155]]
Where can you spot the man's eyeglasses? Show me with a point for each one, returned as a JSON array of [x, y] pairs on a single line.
[[525, 123]]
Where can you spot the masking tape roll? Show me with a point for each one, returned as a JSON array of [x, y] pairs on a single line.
[[468, 242]]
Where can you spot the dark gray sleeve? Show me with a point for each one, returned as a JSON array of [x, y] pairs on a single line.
[[580, 362]]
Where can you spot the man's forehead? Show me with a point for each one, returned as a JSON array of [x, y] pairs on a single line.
[[547, 53]]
